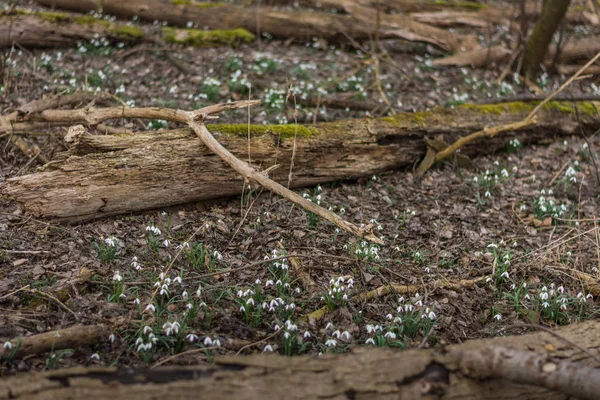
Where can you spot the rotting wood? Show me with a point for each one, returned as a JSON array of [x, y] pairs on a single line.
[[44, 29], [298, 25], [365, 373], [109, 175], [69, 338]]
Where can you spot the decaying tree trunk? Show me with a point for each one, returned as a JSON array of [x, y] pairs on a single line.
[[543, 31], [298, 25], [52, 30], [63, 30], [532, 366], [109, 175]]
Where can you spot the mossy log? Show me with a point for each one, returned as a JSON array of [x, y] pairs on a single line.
[[300, 25], [110, 175], [363, 373], [53, 29]]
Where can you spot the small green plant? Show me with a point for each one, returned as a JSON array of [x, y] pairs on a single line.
[[153, 237], [211, 88], [491, 180], [337, 294], [117, 291], [233, 64], [264, 66], [200, 255], [238, 83], [156, 124], [544, 206], [274, 99], [317, 197], [514, 145], [55, 357], [107, 249]]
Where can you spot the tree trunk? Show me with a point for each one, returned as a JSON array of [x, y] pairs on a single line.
[[365, 373], [63, 30], [298, 25], [109, 175], [543, 31]]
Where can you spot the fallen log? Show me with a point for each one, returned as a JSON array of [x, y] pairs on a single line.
[[534, 366], [298, 25], [50, 29], [109, 175]]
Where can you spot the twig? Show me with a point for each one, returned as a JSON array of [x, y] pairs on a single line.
[[195, 121], [401, 289], [185, 353], [259, 342]]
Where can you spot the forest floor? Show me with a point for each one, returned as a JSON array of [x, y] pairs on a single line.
[[524, 223]]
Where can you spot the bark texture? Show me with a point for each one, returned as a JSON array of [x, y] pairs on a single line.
[[299, 25], [59, 30], [42, 30], [364, 373], [110, 175], [543, 31]]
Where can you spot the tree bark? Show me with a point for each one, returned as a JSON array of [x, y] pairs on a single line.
[[453, 372], [298, 25], [543, 31], [42, 30], [37, 30], [110, 175]]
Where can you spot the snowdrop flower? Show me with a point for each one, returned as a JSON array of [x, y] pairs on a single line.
[[329, 326], [390, 335], [153, 229], [370, 341], [498, 317], [8, 345], [504, 275], [331, 343], [150, 307], [268, 349], [307, 335], [117, 277], [95, 356], [184, 295], [112, 338], [346, 335], [191, 337], [389, 316]]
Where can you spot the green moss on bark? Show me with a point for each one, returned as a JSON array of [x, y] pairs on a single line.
[[283, 131], [200, 38]]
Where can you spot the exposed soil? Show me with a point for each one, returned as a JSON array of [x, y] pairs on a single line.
[[503, 222]]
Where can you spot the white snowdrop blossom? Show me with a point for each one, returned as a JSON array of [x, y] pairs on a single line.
[[191, 337], [117, 277], [268, 349], [153, 229]]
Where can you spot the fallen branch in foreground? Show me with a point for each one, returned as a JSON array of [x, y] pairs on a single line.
[[103, 175], [195, 120], [535, 365], [401, 290]]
